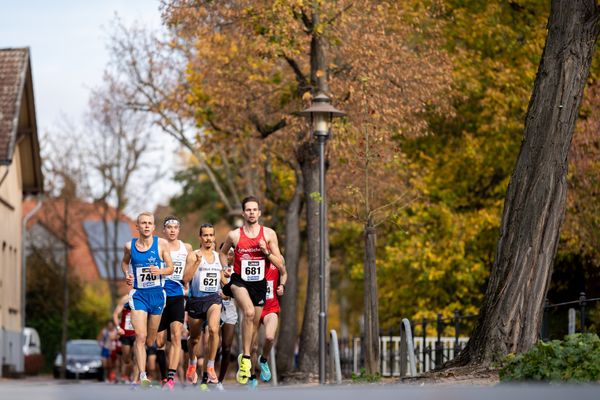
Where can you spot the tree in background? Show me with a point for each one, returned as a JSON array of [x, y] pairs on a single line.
[[535, 202], [118, 150]]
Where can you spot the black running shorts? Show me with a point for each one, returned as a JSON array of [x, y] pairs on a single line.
[[184, 345], [257, 290], [174, 312], [197, 307], [127, 340]]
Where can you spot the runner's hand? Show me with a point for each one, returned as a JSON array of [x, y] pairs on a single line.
[[129, 280], [154, 270], [280, 289], [120, 331], [263, 246]]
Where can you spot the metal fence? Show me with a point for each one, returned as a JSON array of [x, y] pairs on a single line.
[[430, 351], [581, 315]]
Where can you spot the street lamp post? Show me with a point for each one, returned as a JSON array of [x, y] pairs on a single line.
[[320, 113]]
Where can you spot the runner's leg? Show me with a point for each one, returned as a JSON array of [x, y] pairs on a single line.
[[139, 319], [227, 333]]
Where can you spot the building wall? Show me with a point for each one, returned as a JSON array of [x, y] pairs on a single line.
[[11, 201]]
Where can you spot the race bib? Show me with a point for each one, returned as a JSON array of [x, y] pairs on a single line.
[[177, 274], [253, 270], [270, 292], [209, 281], [145, 279], [128, 324]]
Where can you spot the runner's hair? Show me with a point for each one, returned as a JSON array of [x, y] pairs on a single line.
[[171, 218], [206, 225], [144, 213], [248, 200]]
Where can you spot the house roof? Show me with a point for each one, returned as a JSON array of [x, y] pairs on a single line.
[[17, 116]]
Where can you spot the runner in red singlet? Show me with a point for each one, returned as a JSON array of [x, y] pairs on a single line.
[[255, 249], [270, 318], [122, 320]]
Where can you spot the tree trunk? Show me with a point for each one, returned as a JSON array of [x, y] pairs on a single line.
[[309, 345], [308, 158], [371, 302], [534, 208], [286, 343]]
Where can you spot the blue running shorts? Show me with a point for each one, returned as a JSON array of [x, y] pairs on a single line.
[[150, 300]]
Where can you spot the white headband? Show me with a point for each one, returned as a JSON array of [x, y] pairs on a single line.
[[171, 221]]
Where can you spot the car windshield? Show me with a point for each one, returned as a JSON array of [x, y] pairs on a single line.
[[88, 349]]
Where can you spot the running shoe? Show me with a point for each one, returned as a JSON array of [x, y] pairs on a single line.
[[211, 375], [265, 372], [253, 383], [145, 383], [220, 387], [191, 374], [169, 385], [204, 387], [243, 372]]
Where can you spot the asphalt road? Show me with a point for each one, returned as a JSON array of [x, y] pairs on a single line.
[[23, 390]]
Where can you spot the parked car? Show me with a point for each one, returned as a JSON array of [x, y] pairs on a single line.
[[32, 351], [83, 360]]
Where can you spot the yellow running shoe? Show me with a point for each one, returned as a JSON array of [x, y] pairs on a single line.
[[243, 372]]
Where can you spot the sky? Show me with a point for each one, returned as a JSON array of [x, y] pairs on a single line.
[[68, 43]]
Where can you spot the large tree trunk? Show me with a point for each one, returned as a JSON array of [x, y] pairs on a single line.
[[309, 344], [286, 343], [534, 208], [371, 302]]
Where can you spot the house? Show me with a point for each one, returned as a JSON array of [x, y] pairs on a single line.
[[86, 230], [20, 175]]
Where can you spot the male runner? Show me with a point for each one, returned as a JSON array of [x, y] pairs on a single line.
[[255, 248], [146, 255], [270, 318], [173, 315], [106, 339], [229, 319], [204, 304], [122, 320]]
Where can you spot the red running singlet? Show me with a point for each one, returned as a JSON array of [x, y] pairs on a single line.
[[249, 261]]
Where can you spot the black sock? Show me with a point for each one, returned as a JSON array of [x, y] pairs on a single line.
[[204, 377], [252, 377], [171, 374], [161, 360], [246, 357], [263, 360]]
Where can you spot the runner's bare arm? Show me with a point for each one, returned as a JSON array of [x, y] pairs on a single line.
[[117, 311], [275, 254], [227, 244], [191, 265], [165, 254], [126, 259]]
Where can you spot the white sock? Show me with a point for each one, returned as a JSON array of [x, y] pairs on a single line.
[[194, 362], [210, 364], [143, 376]]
